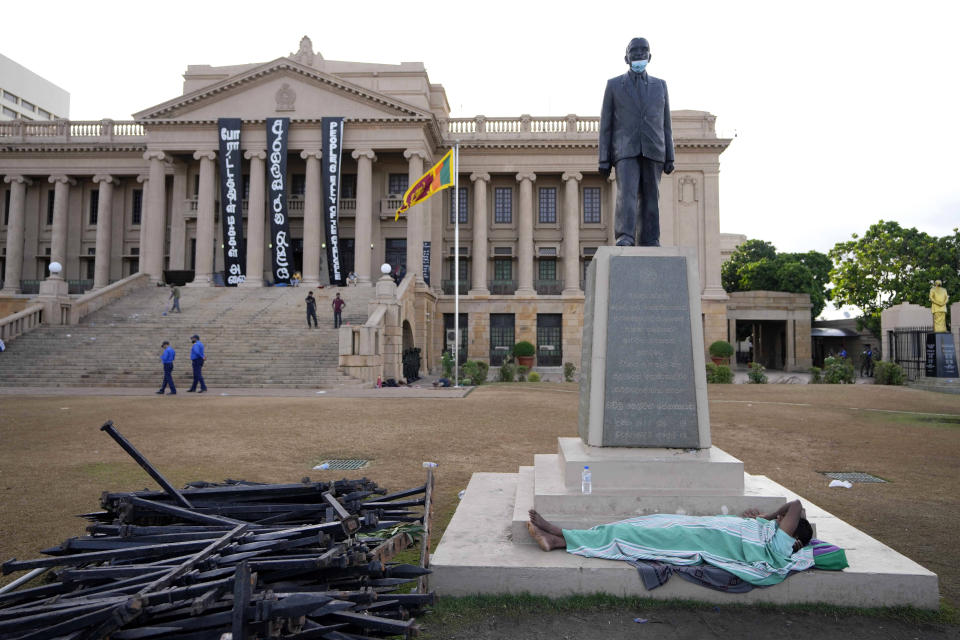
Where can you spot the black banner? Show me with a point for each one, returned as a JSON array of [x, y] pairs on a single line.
[[278, 133], [426, 262], [231, 191], [330, 181]]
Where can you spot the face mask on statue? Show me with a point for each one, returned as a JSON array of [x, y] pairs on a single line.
[[637, 66]]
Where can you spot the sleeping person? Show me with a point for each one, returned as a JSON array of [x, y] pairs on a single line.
[[759, 549]]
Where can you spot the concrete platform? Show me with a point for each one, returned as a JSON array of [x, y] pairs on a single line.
[[480, 555]]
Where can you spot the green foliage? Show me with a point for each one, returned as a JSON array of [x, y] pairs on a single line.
[[887, 373], [523, 348], [756, 266], [719, 374], [756, 373], [568, 370], [838, 371], [891, 265], [507, 372], [522, 373], [446, 362], [721, 349], [816, 375], [533, 377], [475, 371]]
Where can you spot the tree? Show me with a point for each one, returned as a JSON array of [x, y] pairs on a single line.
[[891, 265], [756, 266]]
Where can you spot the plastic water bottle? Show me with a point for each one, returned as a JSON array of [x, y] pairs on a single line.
[[586, 481], [429, 465]]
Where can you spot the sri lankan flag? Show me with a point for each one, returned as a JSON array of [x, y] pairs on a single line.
[[438, 178]]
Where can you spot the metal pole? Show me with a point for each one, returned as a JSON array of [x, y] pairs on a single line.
[[456, 263]]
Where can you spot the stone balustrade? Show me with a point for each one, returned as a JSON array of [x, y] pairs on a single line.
[[484, 127], [21, 322], [90, 302], [72, 130]]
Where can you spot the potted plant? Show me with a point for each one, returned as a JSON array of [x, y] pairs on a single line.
[[524, 352], [720, 352]]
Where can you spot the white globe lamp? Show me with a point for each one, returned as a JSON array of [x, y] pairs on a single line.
[[385, 268], [55, 268]]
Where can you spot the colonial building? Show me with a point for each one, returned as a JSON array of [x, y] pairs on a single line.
[[107, 199]]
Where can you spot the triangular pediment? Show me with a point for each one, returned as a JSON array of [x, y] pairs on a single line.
[[282, 88]]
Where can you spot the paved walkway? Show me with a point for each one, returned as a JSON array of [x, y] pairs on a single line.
[[417, 390]]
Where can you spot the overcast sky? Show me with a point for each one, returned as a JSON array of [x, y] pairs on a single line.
[[844, 112]]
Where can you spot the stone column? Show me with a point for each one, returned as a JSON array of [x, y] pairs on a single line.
[[611, 207], [178, 221], [15, 228], [101, 260], [363, 262], [791, 328], [206, 216], [478, 259], [58, 243], [712, 282], [156, 216], [255, 218], [525, 235], [415, 216], [312, 218], [571, 233], [143, 179]]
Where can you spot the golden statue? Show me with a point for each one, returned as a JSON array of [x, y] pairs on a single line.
[[938, 305]]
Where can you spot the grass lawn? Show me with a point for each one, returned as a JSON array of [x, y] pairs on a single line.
[[54, 461]]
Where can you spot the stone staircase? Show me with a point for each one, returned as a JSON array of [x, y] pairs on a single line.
[[253, 338]]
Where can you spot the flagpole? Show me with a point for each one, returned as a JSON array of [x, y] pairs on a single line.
[[456, 263]]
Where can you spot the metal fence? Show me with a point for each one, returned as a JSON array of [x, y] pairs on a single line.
[[907, 347]]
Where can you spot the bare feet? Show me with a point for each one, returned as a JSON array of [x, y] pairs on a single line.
[[539, 522], [546, 541]]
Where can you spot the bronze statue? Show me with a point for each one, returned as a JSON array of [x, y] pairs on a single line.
[[636, 138], [938, 305]]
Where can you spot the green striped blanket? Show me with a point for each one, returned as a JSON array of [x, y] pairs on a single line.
[[751, 549]]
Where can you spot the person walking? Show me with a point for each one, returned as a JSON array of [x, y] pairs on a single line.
[[167, 358], [197, 358], [175, 296], [311, 310], [338, 304]]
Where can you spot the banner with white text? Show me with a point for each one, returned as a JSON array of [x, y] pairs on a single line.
[[231, 204], [330, 176], [278, 133]]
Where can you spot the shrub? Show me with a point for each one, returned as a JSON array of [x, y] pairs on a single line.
[[721, 349], [722, 375], [475, 371], [533, 377], [838, 371], [816, 375], [507, 372], [568, 369], [522, 373], [524, 348], [711, 371], [887, 373], [756, 373], [446, 363]]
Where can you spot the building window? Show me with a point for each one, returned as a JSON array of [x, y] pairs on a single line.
[[503, 269], [49, 207], [29, 106], [548, 205], [591, 205], [246, 186], [549, 339], [44, 113], [137, 206], [501, 337], [6, 207], [94, 203], [398, 183], [10, 113], [503, 205], [462, 205], [9, 96], [547, 269], [196, 185], [396, 253], [298, 184], [348, 185]]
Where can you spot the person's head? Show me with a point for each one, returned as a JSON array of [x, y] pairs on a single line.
[[803, 532], [194, 338], [338, 294], [165, 344], [637, 51], [936, 283], [309, 293]]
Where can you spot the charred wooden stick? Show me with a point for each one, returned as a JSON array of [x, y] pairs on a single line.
[[143, 462]]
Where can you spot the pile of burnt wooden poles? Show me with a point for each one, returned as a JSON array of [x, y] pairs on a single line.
[[295, 561]]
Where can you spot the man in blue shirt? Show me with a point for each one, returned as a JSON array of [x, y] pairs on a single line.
[[167, 359], [197, 358]]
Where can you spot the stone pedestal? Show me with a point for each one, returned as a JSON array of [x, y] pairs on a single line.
[[941, 356], [53, 291]]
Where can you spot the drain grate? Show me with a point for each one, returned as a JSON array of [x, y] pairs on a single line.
[[346, 464], [852, 476]]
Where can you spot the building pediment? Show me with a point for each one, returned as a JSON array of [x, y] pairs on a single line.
[[282, 88]]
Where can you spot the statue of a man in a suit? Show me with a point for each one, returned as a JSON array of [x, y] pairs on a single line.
[[636, 138]]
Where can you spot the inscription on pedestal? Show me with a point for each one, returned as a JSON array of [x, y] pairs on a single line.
[[941, 356], [649, 394]]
